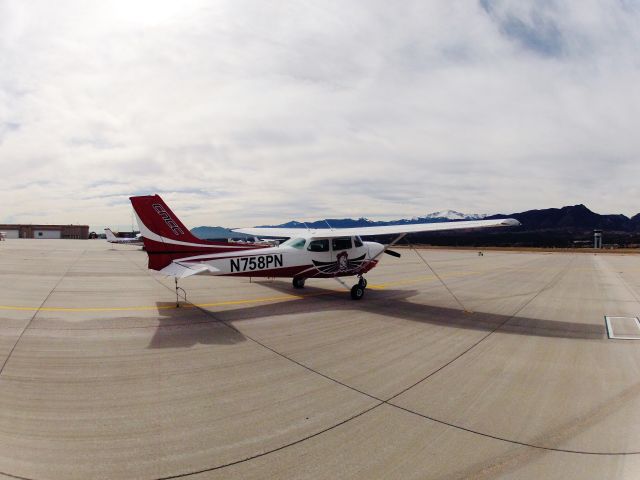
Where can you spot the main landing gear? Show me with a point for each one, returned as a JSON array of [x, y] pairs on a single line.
[[357, 291]]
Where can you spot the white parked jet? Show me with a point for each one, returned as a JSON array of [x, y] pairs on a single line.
[[111, 238], [319, 253]]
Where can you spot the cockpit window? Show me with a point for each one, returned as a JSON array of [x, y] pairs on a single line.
[[294, 242], [357, 241], [319, 245], [341, 243], [298, 243]]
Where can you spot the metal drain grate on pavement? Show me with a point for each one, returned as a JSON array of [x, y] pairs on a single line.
[[623, 328]]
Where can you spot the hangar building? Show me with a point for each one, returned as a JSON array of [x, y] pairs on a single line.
[[45, 231]]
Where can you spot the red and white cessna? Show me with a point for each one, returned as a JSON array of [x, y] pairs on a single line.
[[111, 238], [313, 253]]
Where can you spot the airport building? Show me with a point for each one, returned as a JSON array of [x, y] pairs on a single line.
[[45, 231]]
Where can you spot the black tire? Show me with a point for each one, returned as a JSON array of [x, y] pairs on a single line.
[[357, 292], [298, 283]]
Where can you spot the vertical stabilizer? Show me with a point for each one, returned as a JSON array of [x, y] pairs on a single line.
[[110, 235], [166, 238]]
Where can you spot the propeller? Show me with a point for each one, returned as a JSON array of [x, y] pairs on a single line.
[[392, 253]]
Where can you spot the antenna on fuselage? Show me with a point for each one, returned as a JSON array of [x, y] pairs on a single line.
[[327, 222]]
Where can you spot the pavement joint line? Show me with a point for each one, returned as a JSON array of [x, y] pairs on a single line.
[[262, 454], [388, 401], [499, 326], [26, 327], [161, 307], [369, 409], [502, 439], [380, 286], [626, 284]]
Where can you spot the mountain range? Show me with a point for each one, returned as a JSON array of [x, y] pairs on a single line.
[[443, 216], [546, 227], [576, 217]]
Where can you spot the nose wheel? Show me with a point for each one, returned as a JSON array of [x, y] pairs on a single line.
[[357, 291], [298, 282]]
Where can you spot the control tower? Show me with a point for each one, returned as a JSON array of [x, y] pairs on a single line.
[[597, 239]]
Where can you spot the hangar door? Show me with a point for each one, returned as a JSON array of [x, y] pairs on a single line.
[[12, 233], [46, 234]]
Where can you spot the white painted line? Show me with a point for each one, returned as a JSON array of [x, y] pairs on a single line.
[[609, 321], [608, 324]]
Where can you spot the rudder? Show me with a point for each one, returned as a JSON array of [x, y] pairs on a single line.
[[166, 238], [110, 235]]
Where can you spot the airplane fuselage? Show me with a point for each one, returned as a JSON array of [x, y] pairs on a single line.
[[174, 251], [305, 258]]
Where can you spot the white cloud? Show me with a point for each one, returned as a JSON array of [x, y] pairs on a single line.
[[242, 112]]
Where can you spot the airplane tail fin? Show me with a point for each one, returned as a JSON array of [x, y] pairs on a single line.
[[110, 235], [165, 237]]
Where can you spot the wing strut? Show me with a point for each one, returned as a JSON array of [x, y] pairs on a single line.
[[397, 239], [464, 309], [386, 247]]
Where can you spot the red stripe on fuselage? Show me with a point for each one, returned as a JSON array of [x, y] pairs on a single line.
[[274, 272], [306, 271]]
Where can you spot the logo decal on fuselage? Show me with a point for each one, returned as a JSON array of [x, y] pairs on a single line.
[[343, 261], [167, 219], [342, 266]]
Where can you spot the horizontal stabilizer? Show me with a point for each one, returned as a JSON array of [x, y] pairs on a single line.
[[183, 269]]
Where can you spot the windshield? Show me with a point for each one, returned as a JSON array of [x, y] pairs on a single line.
[[295, 243]]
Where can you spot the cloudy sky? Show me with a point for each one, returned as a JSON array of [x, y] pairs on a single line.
[[251, 112]]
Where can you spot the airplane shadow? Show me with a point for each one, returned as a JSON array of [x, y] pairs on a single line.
[[186, 327], [397, 304]]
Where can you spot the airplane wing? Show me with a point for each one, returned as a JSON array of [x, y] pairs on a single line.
[[382, 230], [185, 269]]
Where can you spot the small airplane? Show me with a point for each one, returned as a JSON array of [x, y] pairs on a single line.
[[111, 238], [308, 253]]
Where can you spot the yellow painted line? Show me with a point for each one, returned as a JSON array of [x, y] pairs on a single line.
[[280, 298], [158, 307], [89, 309], [264, 299]]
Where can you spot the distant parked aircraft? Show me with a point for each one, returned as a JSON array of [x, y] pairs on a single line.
[[111, 238], [320, 253]]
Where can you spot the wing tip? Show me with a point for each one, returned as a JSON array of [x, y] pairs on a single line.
[[511, 222]]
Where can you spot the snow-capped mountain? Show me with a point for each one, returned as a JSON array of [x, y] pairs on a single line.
[[453, 215]]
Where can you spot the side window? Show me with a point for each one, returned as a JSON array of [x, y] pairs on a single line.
[[299, 243], [341, 243], [319, 245], [357, 241]]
